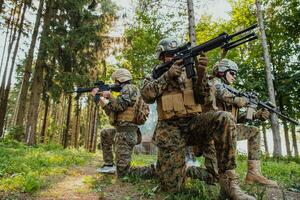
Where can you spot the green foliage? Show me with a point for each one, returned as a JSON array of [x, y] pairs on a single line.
[[280, 17], [24, 169], [139, 56]]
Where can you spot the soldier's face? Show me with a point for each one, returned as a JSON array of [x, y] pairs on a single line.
[[168, 58], [230, 76]]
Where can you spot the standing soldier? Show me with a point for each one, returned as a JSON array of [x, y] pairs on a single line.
[[107, 136], [125, 113], [225, 72], [181, 123]]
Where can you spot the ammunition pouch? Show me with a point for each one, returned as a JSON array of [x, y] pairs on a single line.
[[126, 116], [177, 104]]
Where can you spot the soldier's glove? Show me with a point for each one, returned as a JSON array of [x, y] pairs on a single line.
[[202, 60], [240, 101], [103, 102], [262, 114], [175, 70]]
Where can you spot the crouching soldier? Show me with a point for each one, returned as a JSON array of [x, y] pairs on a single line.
[[225, 73], [125, 112], [181, 122]]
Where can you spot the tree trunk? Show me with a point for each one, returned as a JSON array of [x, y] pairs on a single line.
[[9, 24], [265, 140], [287, 139], [191, 15], [1, 5], [95, 131], [21, 107], [274, 119], [5, 99], [77, 124], [37, 83], [43, 131], [285, 128], [295, 146], [66, 133], [92, 130], [89, 124], [12, 39], [4, 91]]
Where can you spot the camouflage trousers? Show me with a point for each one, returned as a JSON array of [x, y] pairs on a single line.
[[107, 136], [171, 137], [244, 132], [124, 139], [252, 134]]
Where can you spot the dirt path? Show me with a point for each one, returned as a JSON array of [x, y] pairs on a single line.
[[83, 182], [75, 185]]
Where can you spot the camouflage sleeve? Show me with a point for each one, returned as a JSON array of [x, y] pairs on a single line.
[[222, 93], [153, 88], [127, 97]]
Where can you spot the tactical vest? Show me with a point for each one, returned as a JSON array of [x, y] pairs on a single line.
[[175, 103], [126, 116], [229, 108]]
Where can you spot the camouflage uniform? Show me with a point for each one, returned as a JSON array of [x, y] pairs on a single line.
[[121, 112], [227, 101], [107, 141], [125, 136], [172, 135]]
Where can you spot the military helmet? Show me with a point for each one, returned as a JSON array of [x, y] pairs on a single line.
[[122, 75], [224, 65], [166, 45]]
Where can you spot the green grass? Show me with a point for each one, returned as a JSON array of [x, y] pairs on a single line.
[[285, 171], [26, 169]]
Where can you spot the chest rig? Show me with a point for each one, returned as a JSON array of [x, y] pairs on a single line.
[[178, 100]]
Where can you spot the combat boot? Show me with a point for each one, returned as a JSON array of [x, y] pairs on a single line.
[[254, 174], [230, 188]]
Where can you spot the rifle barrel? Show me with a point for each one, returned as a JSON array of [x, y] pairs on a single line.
[[241, 39], [242, 42], [264, 105], [243, 31]]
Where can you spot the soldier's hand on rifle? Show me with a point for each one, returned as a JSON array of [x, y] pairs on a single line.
[[175, 71], [106, 94], [94, 91], [262, 114], [202, 60], [240, 101], [103, 101]]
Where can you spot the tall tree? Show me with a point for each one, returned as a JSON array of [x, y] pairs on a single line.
[[21, 110], [271, 91], [8, 25], [12, 67], [3, 90], [37, 82], [12, 38]]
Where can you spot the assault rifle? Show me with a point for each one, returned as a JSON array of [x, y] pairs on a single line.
[[99, 84], [187, 53], [254, 102]]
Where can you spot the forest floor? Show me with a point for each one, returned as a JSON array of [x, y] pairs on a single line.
[[85, 183], [49, 172]]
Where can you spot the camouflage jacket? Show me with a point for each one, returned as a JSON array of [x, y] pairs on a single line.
[[225, 99], [127, 97]]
